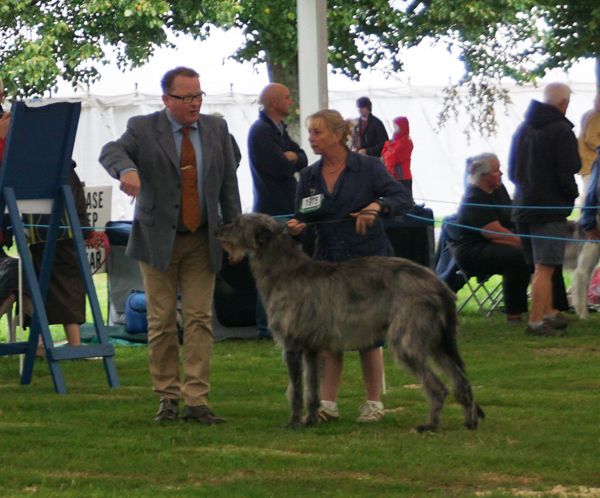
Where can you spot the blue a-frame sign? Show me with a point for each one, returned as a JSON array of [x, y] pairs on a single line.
[[35, 169]]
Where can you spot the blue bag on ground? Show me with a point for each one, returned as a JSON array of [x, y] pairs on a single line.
[[135, 313]]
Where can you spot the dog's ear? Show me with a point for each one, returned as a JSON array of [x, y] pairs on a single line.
[[263, 235]]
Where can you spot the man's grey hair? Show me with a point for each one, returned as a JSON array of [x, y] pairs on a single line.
[[479, 166], [554, 93]]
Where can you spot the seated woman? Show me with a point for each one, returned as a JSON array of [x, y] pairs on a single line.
[[491, 247]]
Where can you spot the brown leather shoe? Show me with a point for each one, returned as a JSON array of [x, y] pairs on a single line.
[[201, 414], [167, 410], [558, 321], [543, 331]]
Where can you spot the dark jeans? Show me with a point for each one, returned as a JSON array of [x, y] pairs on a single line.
[[262, 323], [559, 293], [505, 260]]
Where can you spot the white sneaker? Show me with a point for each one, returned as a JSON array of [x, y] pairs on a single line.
[[370, 411], [328, 414]]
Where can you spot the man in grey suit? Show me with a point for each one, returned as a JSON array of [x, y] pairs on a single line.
[[179, 165]]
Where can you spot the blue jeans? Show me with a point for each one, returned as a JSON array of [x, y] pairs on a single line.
[[262, 324]]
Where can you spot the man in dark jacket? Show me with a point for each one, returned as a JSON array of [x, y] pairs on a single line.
[[274, 156], [274, 160], [369, 133], [542, 165]]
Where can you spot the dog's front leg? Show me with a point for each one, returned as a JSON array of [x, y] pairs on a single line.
[[293, 359], [313, 398], [588, 259]]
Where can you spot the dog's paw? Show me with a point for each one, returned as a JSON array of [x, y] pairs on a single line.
[[420, 429], [480, 412], [471, 424], [310, 421], [294, 423]]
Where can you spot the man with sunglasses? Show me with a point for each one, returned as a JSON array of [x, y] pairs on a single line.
[[180, 167]]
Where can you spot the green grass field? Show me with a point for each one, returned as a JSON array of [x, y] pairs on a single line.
[[541, 436]]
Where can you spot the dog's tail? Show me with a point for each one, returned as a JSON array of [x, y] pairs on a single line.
[[450, 327]]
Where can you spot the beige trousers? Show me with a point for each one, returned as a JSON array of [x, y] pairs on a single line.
[[191, 274]]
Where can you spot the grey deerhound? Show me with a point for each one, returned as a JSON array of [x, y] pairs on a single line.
[[316, 305]]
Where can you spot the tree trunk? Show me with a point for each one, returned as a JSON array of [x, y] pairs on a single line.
[[288, 75]]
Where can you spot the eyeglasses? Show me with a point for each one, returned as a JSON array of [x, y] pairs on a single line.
[[188, 98]]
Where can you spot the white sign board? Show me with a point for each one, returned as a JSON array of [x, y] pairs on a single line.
[[98, 206]]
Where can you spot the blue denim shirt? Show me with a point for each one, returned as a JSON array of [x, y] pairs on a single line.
[[364, 180], [587, 219]]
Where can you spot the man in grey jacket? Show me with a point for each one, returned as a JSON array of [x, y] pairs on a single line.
[[179, 165]]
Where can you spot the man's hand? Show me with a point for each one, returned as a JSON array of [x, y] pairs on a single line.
[[291, 156], [363, 152], [4, 122], [130, 183]]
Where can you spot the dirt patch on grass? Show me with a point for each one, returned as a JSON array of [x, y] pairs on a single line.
[[494, 478], [576, 351], [230, 449], [560, 491], [289, 476]]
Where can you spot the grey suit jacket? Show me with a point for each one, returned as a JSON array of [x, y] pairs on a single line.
[[148, 146]]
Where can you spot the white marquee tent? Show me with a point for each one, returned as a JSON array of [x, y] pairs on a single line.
[[438, 158]]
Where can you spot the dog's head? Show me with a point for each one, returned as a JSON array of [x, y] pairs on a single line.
[[247, 233]]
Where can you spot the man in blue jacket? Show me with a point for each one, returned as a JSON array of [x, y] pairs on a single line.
[[274, 161], [274, 156], [542, 165], [588, 220]]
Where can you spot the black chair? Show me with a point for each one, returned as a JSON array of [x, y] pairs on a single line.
[[489, 297]]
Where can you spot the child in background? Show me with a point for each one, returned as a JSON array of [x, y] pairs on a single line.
[[397, 152]]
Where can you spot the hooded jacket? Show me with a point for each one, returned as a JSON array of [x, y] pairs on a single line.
[[397, 152], [372, 137], [542, 164]]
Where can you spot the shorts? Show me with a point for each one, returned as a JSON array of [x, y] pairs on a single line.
[[546, 244]]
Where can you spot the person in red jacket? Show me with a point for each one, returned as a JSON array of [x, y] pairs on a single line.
[[397, 152]]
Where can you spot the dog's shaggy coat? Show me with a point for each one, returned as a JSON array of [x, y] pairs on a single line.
[[315, 305], [587, 255]]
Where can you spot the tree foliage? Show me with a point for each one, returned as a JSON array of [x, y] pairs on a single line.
[[521, 39], [42, 41], [361, 33], [497, 39]]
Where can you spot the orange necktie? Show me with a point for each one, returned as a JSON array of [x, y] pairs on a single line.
[[190, 202]]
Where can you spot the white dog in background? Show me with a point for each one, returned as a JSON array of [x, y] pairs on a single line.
[[586, 263]]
